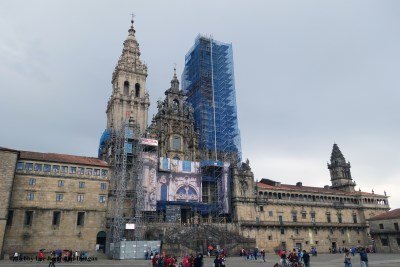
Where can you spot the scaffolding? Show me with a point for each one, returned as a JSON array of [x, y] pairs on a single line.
[[124, 152], [208, 81]]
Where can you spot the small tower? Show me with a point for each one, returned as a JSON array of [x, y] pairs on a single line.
[[340, 171], [129, 96]]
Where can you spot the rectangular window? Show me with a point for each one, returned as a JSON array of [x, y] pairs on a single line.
[[29, 166], [328, 218], [56, 218], [398, 242], [46, 167], [80, 198], [296, 231], [282, 231], [20, 166], [270, 213], [354, 218], [59, 197], [104, 173], [294, 216], [261, 208], [312, 214], [165, 164], [316, 231], [103, 186], [89, 171], [64, 169], [80, 221], [28, 218], [396, 226], [102, 199], [270, 237], [32, 181], [81, 184], [380, 226], [60, 183], [30, 196], [81, 171], [331, 231], [186, 166], [280, 219], [38, 167], [342, 231], [176, 142], [304, 215], [384, 241], [72, 170], [97, 172], [10, 217], [56, 168], [339, 216]]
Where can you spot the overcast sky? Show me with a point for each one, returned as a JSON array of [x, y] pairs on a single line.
[[308, 74]]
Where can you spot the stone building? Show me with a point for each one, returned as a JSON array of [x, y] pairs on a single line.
[[52, 201], [385, 231], [286, 216]]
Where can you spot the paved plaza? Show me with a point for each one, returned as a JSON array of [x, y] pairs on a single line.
[[323, 260]]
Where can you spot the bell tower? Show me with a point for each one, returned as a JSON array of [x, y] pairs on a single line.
[[340, 171], [129, 96]]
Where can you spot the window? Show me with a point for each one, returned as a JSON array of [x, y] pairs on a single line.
[[29, 166], [59, 197], [126, 88], [97, 172], [38, 167], [270, 213], [102, 199], [81, 184], [89, 171], [30, 196], [331, 231], [80, 198], [64, 169], [381, 226], [175, 105], [312, 214], [10, 217], [270, 237], [28, 218], [60, 183], [280, 219], [396, 226], [294, 216], [328, 217], [316, 231], [46, 167], [104, 172], [296, 231], [56, 218], [32, 181], [282, 231], [342, 231], [385, 241], [103, 186], [186, 166], [398, 242], [176, 142], [261, 208], [56, 168], [304, 215], [137, 90], [80, 220], [20, 166], [354, 218], [72, 170], [344, 241], [339, 216], [81, 171], [316, 242]]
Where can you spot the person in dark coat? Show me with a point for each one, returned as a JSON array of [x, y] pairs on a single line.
[[198, 261], [306, 258]]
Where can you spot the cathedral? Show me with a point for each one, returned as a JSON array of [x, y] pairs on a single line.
[[182, 173]]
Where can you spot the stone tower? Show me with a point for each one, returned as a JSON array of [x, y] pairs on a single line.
[[129, 96], [173, 125], [340, 171]]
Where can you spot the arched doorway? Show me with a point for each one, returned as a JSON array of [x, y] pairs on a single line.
[[101, 241]]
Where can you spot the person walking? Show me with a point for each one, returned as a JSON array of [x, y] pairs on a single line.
[[263, 254], [52, 259], [347, 259], [364, 258], [306, 259]]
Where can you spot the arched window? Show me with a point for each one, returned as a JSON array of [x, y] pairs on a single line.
[[137, 90], [177, 158], [126, 88], [164, 192], [175, 105]]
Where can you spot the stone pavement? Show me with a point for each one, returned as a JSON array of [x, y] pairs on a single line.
[[322, 260]]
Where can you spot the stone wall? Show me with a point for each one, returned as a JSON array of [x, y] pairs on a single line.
[[8, 160], [389, 233]]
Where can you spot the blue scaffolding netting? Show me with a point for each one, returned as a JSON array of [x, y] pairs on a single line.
[[208, 81], [103, 139]]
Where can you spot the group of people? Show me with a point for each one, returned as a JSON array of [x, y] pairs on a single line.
[[348, 254], [296, 258], [252, 254], [158, 260], [54, 256]]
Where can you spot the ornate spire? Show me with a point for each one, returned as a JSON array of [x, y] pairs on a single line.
[[132, 31], [337, 155], [175, 82]]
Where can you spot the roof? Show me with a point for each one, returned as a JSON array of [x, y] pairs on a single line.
[[393, 214], [8, 149], [312, 189], [62, 158]]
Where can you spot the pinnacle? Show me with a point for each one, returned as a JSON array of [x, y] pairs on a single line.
[[337, 154]]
